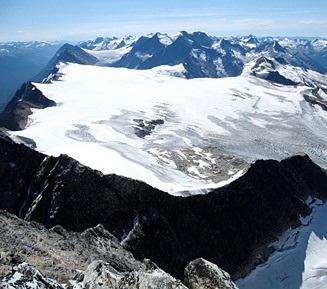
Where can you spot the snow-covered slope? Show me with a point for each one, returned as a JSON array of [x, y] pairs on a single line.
[[173, 133], [300, 260]]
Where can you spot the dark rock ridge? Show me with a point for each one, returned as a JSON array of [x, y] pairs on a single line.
[[231, 226], [18, 167], [67, 53], [266, 68], [15, 115], [316, 100]]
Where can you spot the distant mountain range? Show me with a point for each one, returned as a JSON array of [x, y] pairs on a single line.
[[201, 55], [204, 56]]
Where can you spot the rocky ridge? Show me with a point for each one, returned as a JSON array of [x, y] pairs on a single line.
[[15, 115], [232, 226], [66, 53], [35, 257]]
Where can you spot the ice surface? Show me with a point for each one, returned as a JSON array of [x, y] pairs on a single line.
[[99, 108], [300, 259], [107, 57]]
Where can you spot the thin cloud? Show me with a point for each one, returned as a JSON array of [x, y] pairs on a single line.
[[315, 22], [210, 12], [219, 22]]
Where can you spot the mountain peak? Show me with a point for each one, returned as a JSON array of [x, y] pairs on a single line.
[[67, 53]]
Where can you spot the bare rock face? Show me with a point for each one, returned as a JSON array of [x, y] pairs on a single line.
[[16, 113], [98, 275], [151, 278], [204, 274], [57, 253], [24, 276]]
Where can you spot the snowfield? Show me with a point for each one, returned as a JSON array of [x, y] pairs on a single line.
[[181, 136]]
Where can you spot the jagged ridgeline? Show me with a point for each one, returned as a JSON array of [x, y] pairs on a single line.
[[230, 226]]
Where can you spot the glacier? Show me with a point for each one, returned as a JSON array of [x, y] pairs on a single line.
[[245, 118]]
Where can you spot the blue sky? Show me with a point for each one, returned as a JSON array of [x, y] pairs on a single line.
[[22, 20]]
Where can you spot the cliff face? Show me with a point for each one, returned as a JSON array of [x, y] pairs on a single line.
[[230, 226], [15, 115], [18, 167]]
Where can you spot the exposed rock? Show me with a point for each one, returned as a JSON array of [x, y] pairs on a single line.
[[66, 53], [18, 167], [144, 128], [203, 274], [15, 115], [29, 252], [314, 100], [58, 253], [98, 275], [231, 226], [266, 69], [24, 276], [151, 278], [211, 162]]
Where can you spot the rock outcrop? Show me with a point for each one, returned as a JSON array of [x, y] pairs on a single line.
[[57, 253], [231, 226], [98, 275], [25, 276], [203, 274], [32, 256], [15, 115]]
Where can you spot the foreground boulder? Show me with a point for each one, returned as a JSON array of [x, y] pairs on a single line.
[[203, 274]]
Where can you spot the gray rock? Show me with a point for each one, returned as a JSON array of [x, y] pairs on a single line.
[[58, 253], [201, 273], [24, 276], [98, 275], [150, 278], [29, 252]]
